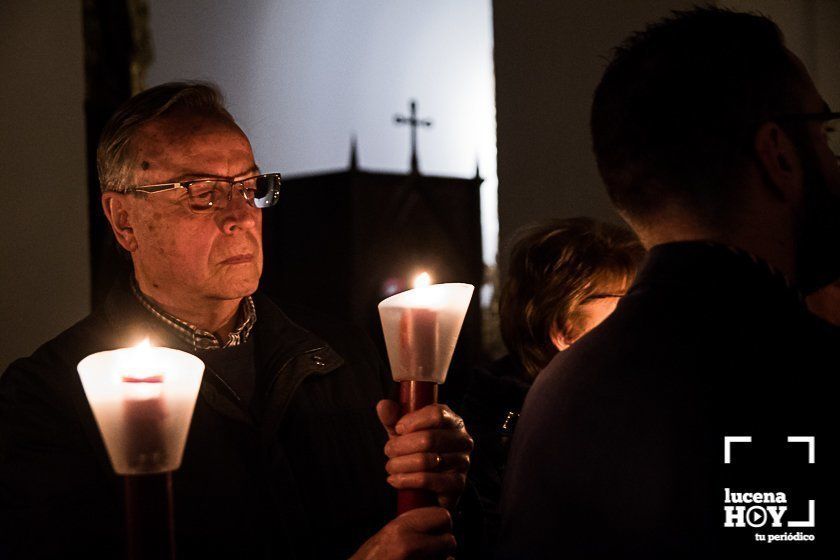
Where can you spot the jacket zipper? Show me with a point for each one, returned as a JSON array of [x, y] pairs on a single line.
[[288, 361]]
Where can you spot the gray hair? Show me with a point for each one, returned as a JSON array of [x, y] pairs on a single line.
[[115, 154]]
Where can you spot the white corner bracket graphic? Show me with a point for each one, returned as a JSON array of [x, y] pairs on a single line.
[[810, 440], [811, 520], [728, 441]]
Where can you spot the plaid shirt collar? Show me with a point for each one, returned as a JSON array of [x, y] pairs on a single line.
[[195, 337]]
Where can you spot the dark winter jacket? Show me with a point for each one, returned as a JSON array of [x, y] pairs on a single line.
[[620, 449], [304, 478]]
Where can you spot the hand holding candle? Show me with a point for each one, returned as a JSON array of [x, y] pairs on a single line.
[[428, 453], [421, 327]]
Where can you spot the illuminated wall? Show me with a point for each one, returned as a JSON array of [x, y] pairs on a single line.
[[44, 258], [302, 77]]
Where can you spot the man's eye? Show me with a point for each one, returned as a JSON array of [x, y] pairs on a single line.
[[202, 191]]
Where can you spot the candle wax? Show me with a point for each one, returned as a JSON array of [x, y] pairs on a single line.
[[145, 413], [420, 342]]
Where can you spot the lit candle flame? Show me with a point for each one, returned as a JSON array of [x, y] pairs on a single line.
[[422, 280], [141, 362]]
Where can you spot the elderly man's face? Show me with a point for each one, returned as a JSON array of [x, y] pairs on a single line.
[[182, 256]]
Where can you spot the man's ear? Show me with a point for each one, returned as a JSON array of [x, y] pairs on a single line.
[[117, 211], [779, 161]]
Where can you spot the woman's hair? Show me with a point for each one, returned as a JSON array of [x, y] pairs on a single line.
[[553, 268]]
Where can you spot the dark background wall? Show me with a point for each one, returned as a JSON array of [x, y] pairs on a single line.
[[548, 59]]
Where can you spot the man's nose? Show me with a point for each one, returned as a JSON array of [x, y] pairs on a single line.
[[237, 213]]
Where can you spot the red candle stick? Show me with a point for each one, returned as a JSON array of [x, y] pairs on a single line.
[[145, 413], [143, 399], [419, 341], [414, 395], [421, 327], [150, 527], [148, 497]]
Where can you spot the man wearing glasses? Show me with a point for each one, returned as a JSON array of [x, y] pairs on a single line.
[[717, 149], [286, 456]]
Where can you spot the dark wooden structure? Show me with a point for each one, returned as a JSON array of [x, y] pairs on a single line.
[[341, 242], [117, 52]]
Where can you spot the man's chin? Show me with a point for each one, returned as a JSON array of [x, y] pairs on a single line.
[[237, 287]]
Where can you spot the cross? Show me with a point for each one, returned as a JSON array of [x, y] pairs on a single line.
[[413, 122]]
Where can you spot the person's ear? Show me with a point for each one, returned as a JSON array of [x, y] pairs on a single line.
[[559, 338], [779, 161], [118, 211]]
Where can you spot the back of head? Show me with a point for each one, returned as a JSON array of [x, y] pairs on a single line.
[[553, 268], [675, 114], [115, 156]]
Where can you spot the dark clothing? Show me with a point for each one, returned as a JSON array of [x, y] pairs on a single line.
[[236, 367], [303, 478], [490, 410], [619, 452]]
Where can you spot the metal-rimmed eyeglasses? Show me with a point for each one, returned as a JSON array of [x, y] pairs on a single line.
[[208, 195]]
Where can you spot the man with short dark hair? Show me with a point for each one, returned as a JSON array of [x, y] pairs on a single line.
[[716, 148], [286, 456]]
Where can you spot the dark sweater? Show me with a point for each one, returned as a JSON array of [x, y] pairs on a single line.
[[490, 410], [236, 366]]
